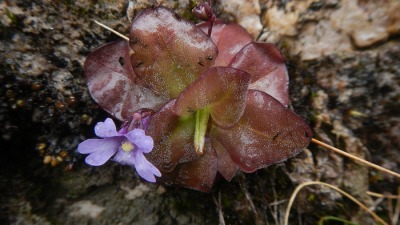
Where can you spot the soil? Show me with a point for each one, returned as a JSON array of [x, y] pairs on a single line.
[[344, 86]]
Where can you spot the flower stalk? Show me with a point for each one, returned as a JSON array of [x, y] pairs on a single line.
[[202, 117], [203, 11]]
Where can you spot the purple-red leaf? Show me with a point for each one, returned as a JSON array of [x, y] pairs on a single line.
[[267, 133], [223, 89], [226, 167], [199, 174], [113, 85], [267, 66], [218, 26], [170, 52], [173, 138], [229, 38]]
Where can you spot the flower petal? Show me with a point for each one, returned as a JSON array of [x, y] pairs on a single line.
[[100, 150], [106, 129], [137, 137], [125, 157], [145, 169]]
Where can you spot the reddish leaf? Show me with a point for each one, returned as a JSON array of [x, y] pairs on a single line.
[[267, 66], [111, 82], [223, 89], [229, 38], [170, 52], [226, 167], [173, 138], [218, 26], [199, 174], [266, 134]]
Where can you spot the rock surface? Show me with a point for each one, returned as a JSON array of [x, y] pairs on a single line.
[[319, 28], [344, 65]]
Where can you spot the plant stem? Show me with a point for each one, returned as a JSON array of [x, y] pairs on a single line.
[[326, 218], [381, 195], [298, 188], [202, 117], [356, 158], [115, 32]]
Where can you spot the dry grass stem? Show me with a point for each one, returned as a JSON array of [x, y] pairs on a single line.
[[397, 211], [274, 212], [390, 209], [381, 195], [115, 32], [298, 188], [376, 203], [243, 186], [356, 158], [219, 208], [278, 202], [264, 201]]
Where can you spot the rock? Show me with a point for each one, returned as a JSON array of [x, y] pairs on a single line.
[[319, 28], [319, 38], [367, 22], [85, 208], [344, 80], [246, 13]]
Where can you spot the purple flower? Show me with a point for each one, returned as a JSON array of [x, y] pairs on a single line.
[[127, 147]]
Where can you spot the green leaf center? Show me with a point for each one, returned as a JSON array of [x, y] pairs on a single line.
[[202, 117]]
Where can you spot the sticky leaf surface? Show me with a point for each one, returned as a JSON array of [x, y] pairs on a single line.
[[267, 66], [199, 174], [113, 84], [267, 133], [226, 167], [229, 38], [223, 89], [173, 138], [170, 52]]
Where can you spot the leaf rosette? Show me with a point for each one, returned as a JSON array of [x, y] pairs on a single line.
[[219, 102]]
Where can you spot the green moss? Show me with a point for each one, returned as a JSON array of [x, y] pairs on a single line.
[[68, 3], [105, 16], [11, 16], [176, 5], [240, 195], [186, 15], [194, 3], [82, 12], [311, 198], [226, 203], [282, 181]]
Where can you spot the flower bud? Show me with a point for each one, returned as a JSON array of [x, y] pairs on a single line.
[[204, 11]]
